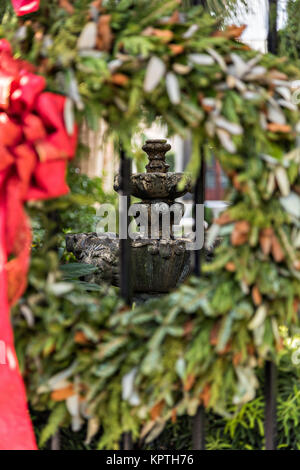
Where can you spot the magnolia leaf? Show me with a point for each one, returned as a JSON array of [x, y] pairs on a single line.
[[72, 404], [72, 89], [291, 204], [156, 430], [211, 236], [240, 67], [69, 117], [28, 315], [92, 429], [255, 73], [275, 114], [76, 423], [263, 121], [190, 31], [192, 406], [155, 71], [60, 288], [271, 184], [129, 392], [231, 127], [275, 330], [88, 36], [173, 89], [181, 69], [201, 59], [251, 95], [284, 92], [56, 380], [21, 33], [247, 385], [113, 65], [258, 335], [288, 105], [91, 53], [218, 58], [282, 180], [270, 160], [226, 140], [259, 318], [180, 367]]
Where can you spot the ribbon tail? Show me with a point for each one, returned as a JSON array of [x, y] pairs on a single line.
[[16, 432], [24, 7]]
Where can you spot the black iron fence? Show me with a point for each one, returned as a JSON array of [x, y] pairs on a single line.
[[198, 428]]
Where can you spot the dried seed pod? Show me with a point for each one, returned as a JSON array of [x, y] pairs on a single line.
[[105, 36], [119, 79], [240, 233], [66, 5], [165, 35], [277, 251], [176, 48], [283, 128], [63, 393], [256, 296], [230, 266], [265, 240], [224, 219], [296, 265]]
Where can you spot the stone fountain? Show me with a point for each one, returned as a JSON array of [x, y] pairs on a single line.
[[159, 263]]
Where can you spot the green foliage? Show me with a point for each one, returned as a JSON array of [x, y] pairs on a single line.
[[60, 313], [207, 341], [289, 44], [56, 418], [5, 6], [50, 41], [76, 212], [242, 430]]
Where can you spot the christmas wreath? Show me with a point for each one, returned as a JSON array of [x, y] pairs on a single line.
[[35, 147]]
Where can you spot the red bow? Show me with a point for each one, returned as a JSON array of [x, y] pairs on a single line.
[[34, 148], [23, 7]]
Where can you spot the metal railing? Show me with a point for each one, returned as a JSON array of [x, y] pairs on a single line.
[[198, 428]]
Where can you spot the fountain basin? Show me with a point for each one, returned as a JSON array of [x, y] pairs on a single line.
[[158, 266], [163, 186]]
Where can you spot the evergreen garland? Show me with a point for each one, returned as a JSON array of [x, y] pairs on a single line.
[[136, 369]]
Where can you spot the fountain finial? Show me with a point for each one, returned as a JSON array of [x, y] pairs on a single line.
[[156, 150]]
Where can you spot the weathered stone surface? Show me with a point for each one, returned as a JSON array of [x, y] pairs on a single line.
[[157, 265], [156, 151], [162, 186], [157, 183], [99, 251]]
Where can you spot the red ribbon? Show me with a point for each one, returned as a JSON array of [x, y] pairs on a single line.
[[24, 7], [34, 148]]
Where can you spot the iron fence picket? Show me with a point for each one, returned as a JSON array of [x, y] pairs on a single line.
[[198, 429], [125, 253]]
